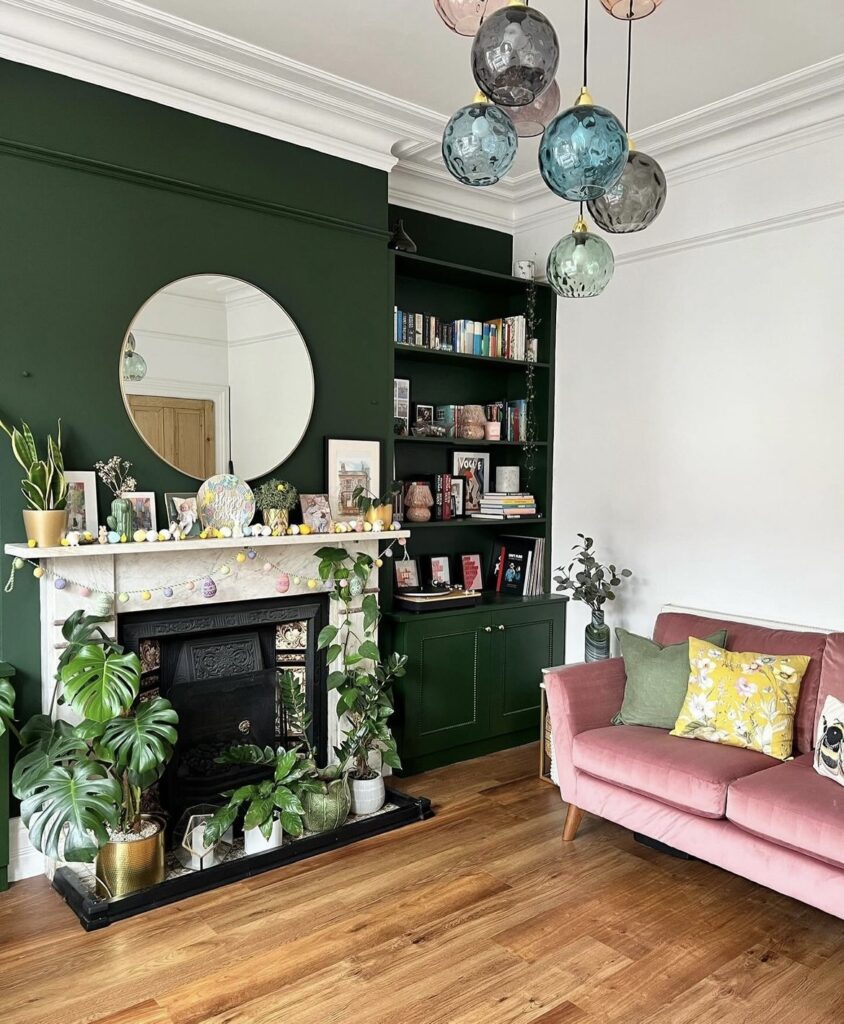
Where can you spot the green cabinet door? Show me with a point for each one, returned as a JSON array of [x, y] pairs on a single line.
[[525, 641], [444, 697]]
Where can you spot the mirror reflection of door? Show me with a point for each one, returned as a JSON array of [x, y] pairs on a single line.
[[181, 430]]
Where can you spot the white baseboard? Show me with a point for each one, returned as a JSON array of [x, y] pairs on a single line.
[[24, 860]]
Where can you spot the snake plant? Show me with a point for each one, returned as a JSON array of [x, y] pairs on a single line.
[[44, 486]]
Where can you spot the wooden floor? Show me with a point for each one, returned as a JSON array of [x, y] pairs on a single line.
[[479, 916]]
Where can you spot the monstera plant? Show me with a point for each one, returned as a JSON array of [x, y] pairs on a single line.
[[80, 785]]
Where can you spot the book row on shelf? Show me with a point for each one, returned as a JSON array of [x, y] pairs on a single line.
[[443, 497], [515, 569], [504, 338], [501, 420], [516, 566]]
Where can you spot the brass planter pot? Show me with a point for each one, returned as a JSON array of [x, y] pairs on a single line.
[[45, 528], [125, 867], [380, 513], [276, 518]]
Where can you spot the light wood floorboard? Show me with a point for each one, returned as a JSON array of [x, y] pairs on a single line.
[[479, 916]]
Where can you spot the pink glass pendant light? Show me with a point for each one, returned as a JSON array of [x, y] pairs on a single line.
[[465, 16]]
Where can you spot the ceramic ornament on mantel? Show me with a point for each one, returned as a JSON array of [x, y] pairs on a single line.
[[225, 502]]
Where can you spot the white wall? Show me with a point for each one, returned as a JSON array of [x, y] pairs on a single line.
[[700, 416]]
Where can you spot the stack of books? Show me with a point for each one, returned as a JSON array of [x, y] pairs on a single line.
[[504, 338], [516, 566], [499, 505], [514, 427]]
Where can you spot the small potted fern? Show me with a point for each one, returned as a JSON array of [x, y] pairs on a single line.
[[275, 499], [44, 487]]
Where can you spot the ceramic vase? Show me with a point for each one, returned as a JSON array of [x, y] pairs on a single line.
[[122, 518], [254, 841], [368, 795], [597, 637], [329, 809], [276, 518]]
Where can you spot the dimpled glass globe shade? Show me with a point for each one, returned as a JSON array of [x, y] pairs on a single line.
[[531, 120], [636, 199], [479, 144], [515, 55], [583, 152], [630, 10], [580, 265], [465, 16]]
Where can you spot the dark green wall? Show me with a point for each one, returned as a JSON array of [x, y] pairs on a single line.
[[455, 242], [104, 199]]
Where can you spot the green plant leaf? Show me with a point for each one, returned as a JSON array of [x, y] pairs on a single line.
[[326, 637], [7, 705], [45, 744], [141, 743], [285, 764], [291, 823], [371, 612], [219, 824], [247, 753], [286, 800], [23, 446], [369, 650], [335, 680], [391, 758], [332, 554], [258, 813], [100, 685], [333, 653], [84, 800]]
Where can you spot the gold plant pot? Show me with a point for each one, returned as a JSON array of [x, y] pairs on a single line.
[[125, 867], [45, 528], [380, 513], [276, 518]]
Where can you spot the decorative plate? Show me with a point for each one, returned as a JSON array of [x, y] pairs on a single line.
[[225, 500]]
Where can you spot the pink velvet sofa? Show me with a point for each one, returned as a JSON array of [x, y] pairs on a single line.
[[777, 823]]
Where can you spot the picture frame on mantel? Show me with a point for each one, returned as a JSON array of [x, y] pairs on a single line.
[[351, 463], [82, 512]]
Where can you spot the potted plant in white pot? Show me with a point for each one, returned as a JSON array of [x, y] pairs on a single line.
[[363, 680], [80, 786], [275, 499], [44, 487]]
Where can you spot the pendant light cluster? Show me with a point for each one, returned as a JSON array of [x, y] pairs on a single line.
[[585, 155]]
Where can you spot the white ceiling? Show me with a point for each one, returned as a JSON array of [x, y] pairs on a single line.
[[685, 56]]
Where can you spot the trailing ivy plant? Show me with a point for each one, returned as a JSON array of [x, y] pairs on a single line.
[[531, 326], [588, 580], [363, 680], [77, 783]]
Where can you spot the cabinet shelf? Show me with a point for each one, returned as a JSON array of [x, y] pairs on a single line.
[[436, 354], [503, 523], [442, 272], [465, 442]]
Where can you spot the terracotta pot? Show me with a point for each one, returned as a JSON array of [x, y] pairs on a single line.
[[125, 867], [46, 528]]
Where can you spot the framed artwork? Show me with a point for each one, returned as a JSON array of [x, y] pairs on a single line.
[[439, 569], [424, 414], [401, 406], [143, 503], [472, 575], [407, 573], [182, 509], [82, 501], [458, 496], [316, 512], [474, 468], [351, 464]]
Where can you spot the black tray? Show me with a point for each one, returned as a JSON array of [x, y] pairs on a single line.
[[97, 913]]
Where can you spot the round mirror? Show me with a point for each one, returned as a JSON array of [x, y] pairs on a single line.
[[215, 375]]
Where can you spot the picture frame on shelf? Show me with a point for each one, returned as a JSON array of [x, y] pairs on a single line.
[[474, 468], [424, 415], [472, 572], [406, 573], [82, 512], [351, 463], [316, 512], [438, 570], [181, 507], [458, 497], [401, 406], [143, 509]]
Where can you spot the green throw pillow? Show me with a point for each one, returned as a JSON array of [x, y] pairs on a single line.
[[657, 679]]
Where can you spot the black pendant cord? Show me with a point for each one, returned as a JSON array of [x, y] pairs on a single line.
[[585, 43], [629, 65]]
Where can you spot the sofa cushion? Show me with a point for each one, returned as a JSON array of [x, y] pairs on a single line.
[[832, 672], [686, 774], [793, 806], [674, 627]]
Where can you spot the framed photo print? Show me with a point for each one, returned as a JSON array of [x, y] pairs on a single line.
[[82, 501], [316, 512], [458, 497], [401, 406], [181, 508], [474, 468], [424, 414], [472, 573], [439, 569], [143, 504], [351, 464], [407, 573]]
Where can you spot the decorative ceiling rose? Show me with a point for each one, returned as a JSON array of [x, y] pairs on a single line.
[[479, 143], [465, 16], [532, 119], [515, 55], [583, 151], [580, 265], [635, 201], [630, 10]]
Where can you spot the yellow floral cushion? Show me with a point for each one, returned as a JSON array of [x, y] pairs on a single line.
[[741, 700]]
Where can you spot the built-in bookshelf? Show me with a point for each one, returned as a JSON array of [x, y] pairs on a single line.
[[449, 293]]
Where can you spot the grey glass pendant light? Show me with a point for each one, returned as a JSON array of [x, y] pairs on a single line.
[[515, 55]]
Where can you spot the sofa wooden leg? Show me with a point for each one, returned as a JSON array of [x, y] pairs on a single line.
[[573, 820]]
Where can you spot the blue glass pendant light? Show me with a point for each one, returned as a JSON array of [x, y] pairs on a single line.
[[515, 55], [580, 265], [479, 143], [637, 198], [584, 149]]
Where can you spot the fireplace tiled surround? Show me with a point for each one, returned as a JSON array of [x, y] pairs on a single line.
[[133, 568]]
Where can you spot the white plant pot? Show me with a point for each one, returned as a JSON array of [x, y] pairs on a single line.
[[254, 842], [368, 795]]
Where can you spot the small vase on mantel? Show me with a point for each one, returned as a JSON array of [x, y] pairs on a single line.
[[122, 517], [597, 637]]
